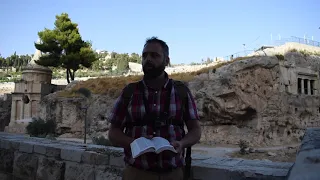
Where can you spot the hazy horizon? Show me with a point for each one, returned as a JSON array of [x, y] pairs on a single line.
[[192, 30]]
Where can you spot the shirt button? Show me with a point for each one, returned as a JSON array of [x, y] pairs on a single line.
[[156, 92], [154, 104]]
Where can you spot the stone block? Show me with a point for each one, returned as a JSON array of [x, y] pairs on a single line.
[[40, 149], [311, 139], [4, 176], [307, 166], [71, 154], [117, 161], [26, 147], [105, 172], [77, 171], [25, 165], [50, 150], [53, 151], [14, 145], [307, 162], [4, 144], [91, 157], [6, 160], [116, 157], [8, 144], [50, 169]]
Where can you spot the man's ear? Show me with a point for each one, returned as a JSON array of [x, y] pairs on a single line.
[[167, 61]]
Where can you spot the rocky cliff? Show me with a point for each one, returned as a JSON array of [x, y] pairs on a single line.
[[69, 113], [255, 99], [248, 100]]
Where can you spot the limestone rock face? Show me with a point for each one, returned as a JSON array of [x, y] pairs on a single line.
[[260, 99], [254, 100], [69, 114]]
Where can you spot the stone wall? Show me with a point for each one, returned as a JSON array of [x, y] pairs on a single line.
[[26, 158], [42, 159], [307, 163]]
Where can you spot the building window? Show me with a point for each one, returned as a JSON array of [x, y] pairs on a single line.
[[299, 86], [312, 86], [305, 86]]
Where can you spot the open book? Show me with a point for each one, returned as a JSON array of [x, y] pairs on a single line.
[[143, 145]]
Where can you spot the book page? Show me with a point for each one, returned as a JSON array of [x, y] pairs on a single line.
[[140, 146], [162, 144]]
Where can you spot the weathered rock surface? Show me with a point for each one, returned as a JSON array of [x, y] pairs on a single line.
[[307, 164], [5, 111], [70, 115], [50, 169], [255, 99]]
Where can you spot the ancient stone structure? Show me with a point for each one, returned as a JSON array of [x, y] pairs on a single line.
[[33, 86], [43, 159], [307, 163], [266, 100], [5, 109]]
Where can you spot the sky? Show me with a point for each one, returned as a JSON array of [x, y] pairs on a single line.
[[192, 29]]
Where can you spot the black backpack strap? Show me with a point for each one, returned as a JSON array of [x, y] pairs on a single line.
[[183, 94], [128, 92], [126, 95]]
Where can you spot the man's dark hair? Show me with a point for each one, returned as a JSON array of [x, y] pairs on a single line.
[[163, 44]]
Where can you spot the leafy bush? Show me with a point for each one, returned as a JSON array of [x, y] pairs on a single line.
[[243, 146], [280, 57], [101, 140], [40, 128]]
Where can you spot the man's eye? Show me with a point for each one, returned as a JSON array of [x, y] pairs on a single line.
[[154, 54]]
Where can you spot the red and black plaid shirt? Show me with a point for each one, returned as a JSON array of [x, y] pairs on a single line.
[[156, 100]]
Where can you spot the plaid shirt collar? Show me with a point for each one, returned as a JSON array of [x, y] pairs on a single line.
[[164, 86]]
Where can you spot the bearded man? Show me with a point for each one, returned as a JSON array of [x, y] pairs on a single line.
[[155, 106]]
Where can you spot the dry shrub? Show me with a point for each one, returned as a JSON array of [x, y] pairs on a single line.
[[113, 86]]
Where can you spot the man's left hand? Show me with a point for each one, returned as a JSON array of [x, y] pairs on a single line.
[[177, 145]]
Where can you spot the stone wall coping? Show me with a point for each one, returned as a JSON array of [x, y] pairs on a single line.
[[204, 168]]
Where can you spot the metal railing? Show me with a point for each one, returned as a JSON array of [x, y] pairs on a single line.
[[274, 43], [297, 40]]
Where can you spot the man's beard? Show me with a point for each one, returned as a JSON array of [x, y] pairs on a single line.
[[153, 72]]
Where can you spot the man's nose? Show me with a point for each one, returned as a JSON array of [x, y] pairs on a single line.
[[148, 56]]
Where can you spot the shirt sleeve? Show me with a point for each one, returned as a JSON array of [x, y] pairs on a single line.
[[118, 112], [191, 112]]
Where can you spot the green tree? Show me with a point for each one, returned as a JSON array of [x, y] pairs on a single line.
[[122, 62], [63, 47], [135, 58]]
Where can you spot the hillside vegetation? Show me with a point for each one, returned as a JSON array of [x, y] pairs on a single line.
[[112, 86]]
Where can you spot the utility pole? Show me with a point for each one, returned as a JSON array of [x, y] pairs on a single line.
[[87, 94]]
